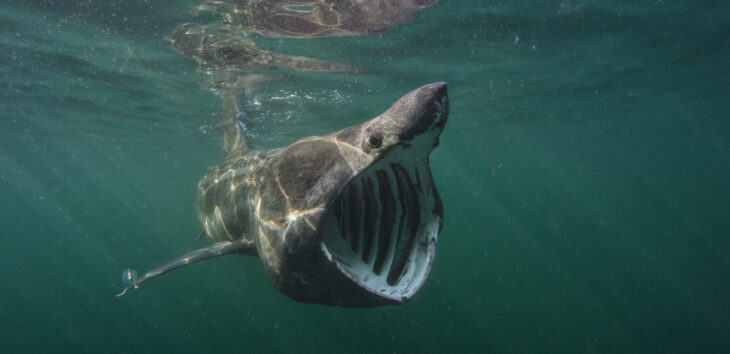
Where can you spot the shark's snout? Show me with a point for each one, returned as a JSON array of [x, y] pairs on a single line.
[[420, 114]]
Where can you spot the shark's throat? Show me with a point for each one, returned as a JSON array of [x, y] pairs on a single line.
[[383, 227]]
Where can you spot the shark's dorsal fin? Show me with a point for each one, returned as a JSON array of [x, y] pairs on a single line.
[[233, 127], [234, 124]]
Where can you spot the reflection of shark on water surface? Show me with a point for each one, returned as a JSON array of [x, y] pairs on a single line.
[[229, 46], [350, 218], [315, 18]]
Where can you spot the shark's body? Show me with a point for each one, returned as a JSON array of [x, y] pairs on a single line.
[[349, 219]]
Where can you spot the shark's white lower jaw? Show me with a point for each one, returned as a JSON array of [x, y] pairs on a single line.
[[410, 282], [382, 230]]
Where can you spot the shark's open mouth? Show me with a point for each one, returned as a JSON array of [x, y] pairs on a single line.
[[383, 227]]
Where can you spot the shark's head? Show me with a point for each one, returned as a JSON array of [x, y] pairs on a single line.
[[352, 218]]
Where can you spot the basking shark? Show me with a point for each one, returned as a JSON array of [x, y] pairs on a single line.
[[347, 219]]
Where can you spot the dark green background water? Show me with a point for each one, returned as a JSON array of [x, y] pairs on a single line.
[[584, 172]]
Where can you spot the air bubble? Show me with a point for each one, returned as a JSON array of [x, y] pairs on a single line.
[[129, 277]]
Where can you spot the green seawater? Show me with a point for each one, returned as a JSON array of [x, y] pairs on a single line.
[[584, 171]]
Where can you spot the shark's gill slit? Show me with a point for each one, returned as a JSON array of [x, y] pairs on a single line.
[[418, 178], [398, 263], [371, 208], [409, 202], [397, 236], [355, 212], [339, 215], [387, 216]]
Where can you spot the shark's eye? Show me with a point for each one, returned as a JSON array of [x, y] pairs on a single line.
[[375, 141]]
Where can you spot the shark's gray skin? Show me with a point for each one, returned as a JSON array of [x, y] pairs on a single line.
[[348, 219]]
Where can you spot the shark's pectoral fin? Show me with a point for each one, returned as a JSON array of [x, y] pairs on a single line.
[[240, 245]]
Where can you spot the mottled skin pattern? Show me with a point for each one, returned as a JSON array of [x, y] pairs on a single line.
[[279, 199], [228, 196]]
